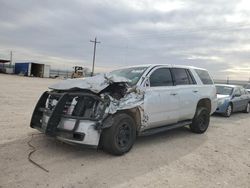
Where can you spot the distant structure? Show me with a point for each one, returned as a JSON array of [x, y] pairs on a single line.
[[32, 69], [233, 82], [5, 66]]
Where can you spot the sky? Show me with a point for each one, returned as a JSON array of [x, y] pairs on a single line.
[[211, 34]]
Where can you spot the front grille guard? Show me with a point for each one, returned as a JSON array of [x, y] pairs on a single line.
[[56, 113]]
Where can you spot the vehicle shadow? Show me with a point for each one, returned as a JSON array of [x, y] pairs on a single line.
[[180, 138]]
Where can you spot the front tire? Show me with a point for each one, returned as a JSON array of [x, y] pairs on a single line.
[[200, 121], [229, 111], [120, 137]]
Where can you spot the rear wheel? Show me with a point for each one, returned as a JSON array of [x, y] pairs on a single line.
[[120, 137], [200, 121], [247, 110], [229, 111]]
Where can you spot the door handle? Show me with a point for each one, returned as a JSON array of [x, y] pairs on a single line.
[[173, 94], [195, 91]]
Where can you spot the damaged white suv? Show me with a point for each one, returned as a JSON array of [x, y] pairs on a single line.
[[110, 110]]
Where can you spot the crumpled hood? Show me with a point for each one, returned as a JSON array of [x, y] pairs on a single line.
[[95, 84]]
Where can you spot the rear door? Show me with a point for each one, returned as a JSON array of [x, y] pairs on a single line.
[[161, 102], [244, 98], [237, 101], [188, 92]]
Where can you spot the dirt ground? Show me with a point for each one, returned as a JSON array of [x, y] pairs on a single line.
[[178, 158]]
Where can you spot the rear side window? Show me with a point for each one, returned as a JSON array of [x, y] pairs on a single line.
[[182, 76], [204, 76], [161, 77], [242, 91]]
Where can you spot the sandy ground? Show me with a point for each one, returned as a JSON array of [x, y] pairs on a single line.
[[178, 158]]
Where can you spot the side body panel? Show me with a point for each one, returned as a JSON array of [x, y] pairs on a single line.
[[237, 100], [161, 106], [206, 91], [188, 98], [171, 104]]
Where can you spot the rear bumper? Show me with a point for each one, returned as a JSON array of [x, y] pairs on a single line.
[[67, 128]]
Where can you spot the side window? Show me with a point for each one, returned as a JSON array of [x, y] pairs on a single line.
[[242, 91], [237, 91], [181, 76], [204, 76], [161, 77], [190, 77]]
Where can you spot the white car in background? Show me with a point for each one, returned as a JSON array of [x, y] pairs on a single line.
[[110, 110]]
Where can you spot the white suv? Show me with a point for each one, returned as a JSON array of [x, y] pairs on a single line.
[[110, 110]]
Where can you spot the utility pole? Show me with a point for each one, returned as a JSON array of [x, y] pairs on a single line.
[[10, 58], [93, 65]]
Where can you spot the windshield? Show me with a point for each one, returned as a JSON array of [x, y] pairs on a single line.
[[224, 90], [133, 74]]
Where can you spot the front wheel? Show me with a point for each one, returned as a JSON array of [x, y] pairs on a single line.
[[229, 111], [120, 137], [200, 121]]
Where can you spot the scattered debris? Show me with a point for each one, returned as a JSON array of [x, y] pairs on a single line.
[[33, 151]]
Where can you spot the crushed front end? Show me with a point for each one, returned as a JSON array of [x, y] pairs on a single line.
[[73, 117]]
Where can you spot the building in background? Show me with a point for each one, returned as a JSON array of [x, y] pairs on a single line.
[[32, 69], [6, 67]]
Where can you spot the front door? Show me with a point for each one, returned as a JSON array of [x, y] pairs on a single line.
[[161, 102]]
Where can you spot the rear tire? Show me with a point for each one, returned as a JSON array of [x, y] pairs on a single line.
[[229, 111], [120, 137], [247, 110], [200, 121]]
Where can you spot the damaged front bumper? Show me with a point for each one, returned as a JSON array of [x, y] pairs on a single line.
[[70, 117]]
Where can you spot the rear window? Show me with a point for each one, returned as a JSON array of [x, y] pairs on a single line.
[[204, 76]]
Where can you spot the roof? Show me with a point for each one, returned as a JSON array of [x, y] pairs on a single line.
[[4, 61], [228, 85], [170, 65]]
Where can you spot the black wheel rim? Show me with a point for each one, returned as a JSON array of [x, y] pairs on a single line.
[[124, 135], [203, 121]]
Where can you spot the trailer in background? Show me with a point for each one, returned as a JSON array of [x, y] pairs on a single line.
[[32, 69]]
